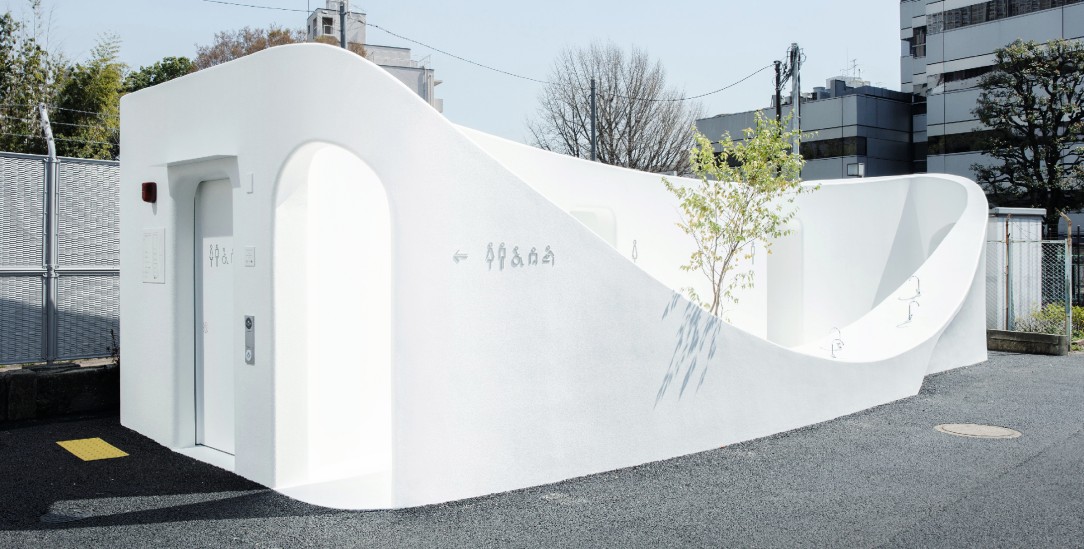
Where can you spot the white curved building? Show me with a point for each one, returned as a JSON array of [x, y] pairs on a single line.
[[393, 361]]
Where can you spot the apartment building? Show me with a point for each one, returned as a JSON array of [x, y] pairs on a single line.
[[324, 23], [948, 45], [854, 129]]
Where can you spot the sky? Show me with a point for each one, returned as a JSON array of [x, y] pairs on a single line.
[[703, 46]]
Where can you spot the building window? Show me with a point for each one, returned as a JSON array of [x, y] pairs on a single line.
[[983, 12], [966, 74], [952, 143], [329, 25], [833, 148], [918, 42]]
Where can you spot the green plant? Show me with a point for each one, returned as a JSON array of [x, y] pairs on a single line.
[[1050, 319], [745, 195]]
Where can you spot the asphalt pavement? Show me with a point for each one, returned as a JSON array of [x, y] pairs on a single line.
[[879, 478]]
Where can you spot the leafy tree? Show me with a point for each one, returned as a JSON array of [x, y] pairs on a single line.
[[230, 45], [86, 122], [27, 74], [745, 195], [640, 124], [1033, 103], [162, 71], [352, 46]]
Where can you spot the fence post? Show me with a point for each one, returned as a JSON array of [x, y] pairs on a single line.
[[1009, 324], [50, 240], [1068, 276]]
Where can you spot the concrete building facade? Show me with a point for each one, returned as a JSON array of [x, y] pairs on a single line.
[[856, 129], [948, 45], [323, 26]]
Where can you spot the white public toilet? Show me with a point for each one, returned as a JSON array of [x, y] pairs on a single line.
[[382, 309]]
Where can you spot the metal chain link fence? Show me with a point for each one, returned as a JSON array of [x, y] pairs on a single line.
[[79, 265], [1028, 286]]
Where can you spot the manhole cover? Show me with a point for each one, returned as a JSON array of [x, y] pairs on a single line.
[[977, 431]]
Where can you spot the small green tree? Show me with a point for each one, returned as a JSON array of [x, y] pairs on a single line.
[[162, 71], [1033, 104], [745, 195], [87, 114]]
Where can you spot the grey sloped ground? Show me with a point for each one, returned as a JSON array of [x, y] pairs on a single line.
[[883, 477]]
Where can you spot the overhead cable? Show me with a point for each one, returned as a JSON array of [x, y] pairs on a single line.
[[501, 71]]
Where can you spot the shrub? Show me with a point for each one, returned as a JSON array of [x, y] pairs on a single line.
[[1051, 320]]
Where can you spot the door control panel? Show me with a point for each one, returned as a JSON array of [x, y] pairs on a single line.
[[250, 340]]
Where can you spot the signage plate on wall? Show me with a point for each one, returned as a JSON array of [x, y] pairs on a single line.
[[154, 256]]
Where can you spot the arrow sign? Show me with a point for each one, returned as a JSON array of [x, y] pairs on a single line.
[[457, 256]]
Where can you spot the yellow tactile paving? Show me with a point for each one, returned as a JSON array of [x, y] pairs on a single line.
[[90, 449]]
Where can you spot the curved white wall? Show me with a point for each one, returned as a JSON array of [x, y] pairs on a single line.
[[450, 376], [332, 287]]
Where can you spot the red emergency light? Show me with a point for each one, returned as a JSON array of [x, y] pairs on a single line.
[[150, 192]]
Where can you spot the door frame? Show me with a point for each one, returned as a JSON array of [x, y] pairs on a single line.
[[183, 179], [199, 303]]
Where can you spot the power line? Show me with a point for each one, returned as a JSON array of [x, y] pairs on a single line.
[[55, 123], [501, 71], [101, 114], [691, 97], [438, 50], [255, 6], [724, 88], [54, 107], [22, 135], [465, 60], [59, 138]]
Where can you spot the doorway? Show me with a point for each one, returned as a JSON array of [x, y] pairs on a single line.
[[214, 327]]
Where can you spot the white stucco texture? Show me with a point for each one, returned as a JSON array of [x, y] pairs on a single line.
[[393, 362]]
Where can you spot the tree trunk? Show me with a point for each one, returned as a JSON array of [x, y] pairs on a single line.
[[1050, 224]]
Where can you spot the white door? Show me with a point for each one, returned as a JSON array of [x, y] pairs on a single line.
[[215, 325]]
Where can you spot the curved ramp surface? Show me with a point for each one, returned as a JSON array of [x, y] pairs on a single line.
[[437, 314]]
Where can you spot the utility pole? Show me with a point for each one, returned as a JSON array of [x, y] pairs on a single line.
[[593, 134], [342, 24], [796, 93], [49, 346], [778, 91]]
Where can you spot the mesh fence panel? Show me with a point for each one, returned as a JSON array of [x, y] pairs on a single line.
[[1040, 288], [20, 319], [89, 222], [22, 190], [88, 256], [87, 309], [995, 284]]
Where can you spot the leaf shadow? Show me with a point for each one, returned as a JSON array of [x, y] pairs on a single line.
[[699, 330]]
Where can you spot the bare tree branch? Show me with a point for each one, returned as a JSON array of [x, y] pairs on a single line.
[[639, 124]]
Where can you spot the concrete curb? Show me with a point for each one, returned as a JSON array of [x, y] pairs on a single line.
[[1025, 342], [27, 394]]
